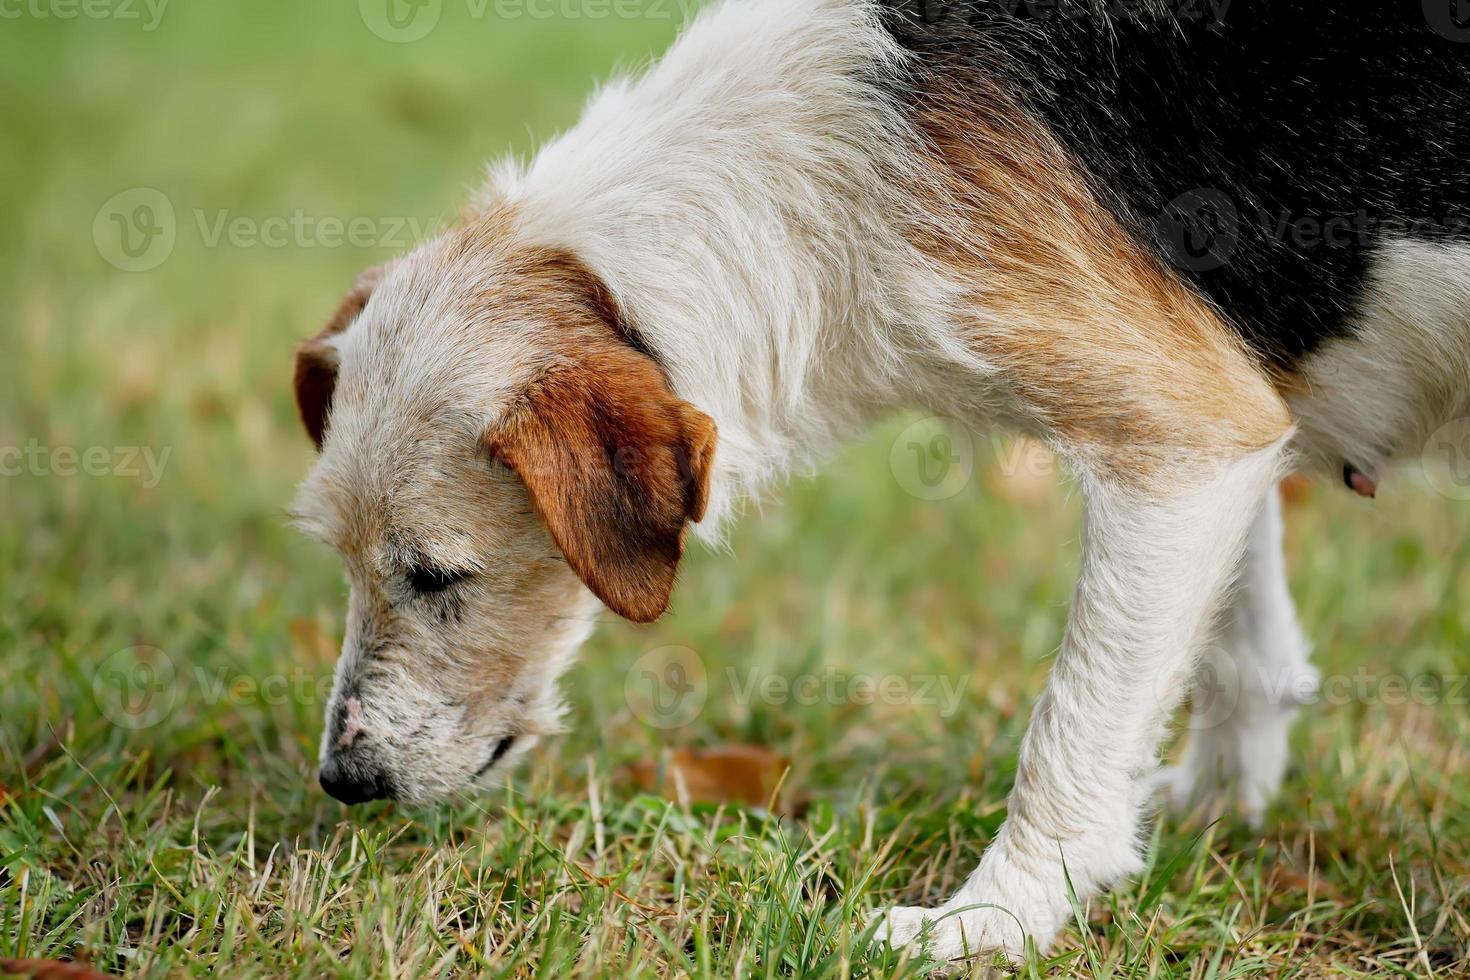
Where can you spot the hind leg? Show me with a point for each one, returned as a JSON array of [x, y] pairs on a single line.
[[1249, 688]]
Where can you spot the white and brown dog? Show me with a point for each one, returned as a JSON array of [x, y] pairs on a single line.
[[1182, 253]]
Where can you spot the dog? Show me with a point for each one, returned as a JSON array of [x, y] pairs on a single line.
[[1190, 247]]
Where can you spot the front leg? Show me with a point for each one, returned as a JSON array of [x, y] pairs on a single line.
[[1155, 562]]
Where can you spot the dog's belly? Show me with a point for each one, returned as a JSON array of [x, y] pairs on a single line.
[[1380, 395]]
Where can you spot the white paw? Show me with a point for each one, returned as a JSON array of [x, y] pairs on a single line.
[[954, 931]]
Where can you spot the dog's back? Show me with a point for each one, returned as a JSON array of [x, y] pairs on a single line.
[[1267, 150]]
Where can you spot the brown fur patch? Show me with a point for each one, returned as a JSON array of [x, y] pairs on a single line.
[[1124, 362], [316, 363], [615, 464]]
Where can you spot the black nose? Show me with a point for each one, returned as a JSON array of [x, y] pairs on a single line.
[[354, 783]]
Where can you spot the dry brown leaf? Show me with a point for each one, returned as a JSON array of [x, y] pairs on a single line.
[[50, 970], [746, 774], [5, 793]]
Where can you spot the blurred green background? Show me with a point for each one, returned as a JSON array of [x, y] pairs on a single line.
[[187, 834]]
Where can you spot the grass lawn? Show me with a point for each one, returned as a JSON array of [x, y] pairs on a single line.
[[166, 640]]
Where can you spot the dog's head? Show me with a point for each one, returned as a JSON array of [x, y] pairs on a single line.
[[497, 453]]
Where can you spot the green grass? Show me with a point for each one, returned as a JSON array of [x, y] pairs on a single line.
[[201, 842]]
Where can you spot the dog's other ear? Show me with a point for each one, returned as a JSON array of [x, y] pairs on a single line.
[[316, 359], [616, 466]]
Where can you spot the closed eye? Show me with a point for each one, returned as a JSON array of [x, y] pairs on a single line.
[[431, 579]]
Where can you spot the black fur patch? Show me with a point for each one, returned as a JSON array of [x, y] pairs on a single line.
[[1263, 148]]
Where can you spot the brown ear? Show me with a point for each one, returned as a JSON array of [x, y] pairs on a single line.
[[316, 359], [616, 466]]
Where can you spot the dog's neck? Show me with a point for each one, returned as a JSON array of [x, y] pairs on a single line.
[[739, 202]]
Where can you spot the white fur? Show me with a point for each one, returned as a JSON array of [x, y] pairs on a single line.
[[1374, 398], [739, 202]]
